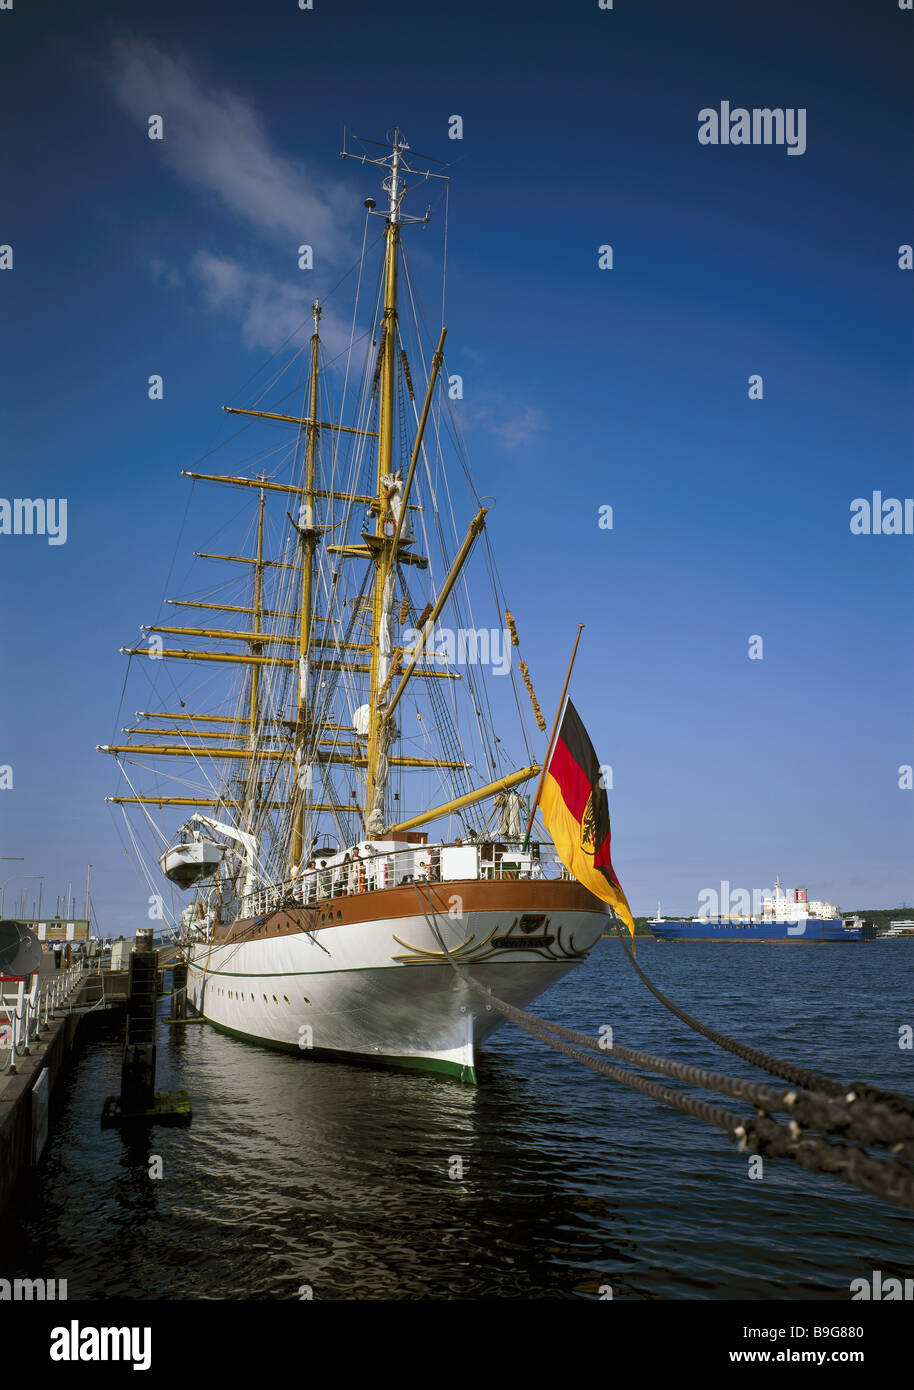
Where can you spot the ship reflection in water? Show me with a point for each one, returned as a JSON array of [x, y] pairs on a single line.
[[544, 1181]]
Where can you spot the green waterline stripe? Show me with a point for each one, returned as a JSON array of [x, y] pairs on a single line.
[[434, 1064]]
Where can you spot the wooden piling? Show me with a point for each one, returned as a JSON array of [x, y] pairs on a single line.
[[138, 1101], [138, 1069], [179, 990]]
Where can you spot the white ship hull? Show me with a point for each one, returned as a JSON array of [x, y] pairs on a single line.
[[381, 990]]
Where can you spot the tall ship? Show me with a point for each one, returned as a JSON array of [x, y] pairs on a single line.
[[351, 752], [785, 916]]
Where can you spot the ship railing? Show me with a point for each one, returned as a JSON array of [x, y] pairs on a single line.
[[502, 859], [25, 1016]]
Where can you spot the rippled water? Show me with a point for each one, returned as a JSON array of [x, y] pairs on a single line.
[[296, 1172]]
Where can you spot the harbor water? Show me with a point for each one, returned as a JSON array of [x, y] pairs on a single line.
[[302, 1178]]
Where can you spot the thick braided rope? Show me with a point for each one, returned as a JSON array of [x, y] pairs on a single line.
[[801, 1076], [857, 1120], [882, 1178]]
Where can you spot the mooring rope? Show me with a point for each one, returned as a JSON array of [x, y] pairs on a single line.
[[886, 1178], [810, 1080]]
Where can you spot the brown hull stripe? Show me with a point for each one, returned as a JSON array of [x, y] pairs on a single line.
[[495, 895]]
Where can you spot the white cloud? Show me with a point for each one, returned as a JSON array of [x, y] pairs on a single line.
[[512, 421], [270, 310], [519, 425], [215, 140]]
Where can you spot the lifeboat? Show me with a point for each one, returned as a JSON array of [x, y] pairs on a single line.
[[191, 860]]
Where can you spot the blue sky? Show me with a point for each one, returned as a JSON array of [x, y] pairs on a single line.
[[583, 387]]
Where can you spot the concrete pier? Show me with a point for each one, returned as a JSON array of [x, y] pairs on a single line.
[[24, 1115], [26, 1095]]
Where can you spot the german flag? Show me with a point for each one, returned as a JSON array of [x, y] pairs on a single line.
[[575, 809]]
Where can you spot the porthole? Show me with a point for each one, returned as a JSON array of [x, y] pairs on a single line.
[[275, 1000], [286, 999]]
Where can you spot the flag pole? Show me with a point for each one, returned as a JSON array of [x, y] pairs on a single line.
[[555, 729]]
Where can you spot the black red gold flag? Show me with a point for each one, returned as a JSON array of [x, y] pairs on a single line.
[[575, 808]]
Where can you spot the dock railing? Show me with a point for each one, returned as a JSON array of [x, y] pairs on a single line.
[[24, 1017]]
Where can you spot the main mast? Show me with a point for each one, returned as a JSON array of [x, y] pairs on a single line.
[[388, 544], [383, 557]]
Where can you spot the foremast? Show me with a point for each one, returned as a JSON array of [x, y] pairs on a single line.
[[256, 647]]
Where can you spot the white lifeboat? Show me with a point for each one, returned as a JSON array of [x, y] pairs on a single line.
[[191, 860]]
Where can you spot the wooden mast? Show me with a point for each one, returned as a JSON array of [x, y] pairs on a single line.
[[256, 648], [378, 729], [309, 534]]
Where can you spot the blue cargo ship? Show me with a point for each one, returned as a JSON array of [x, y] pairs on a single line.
[[783, 917]]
